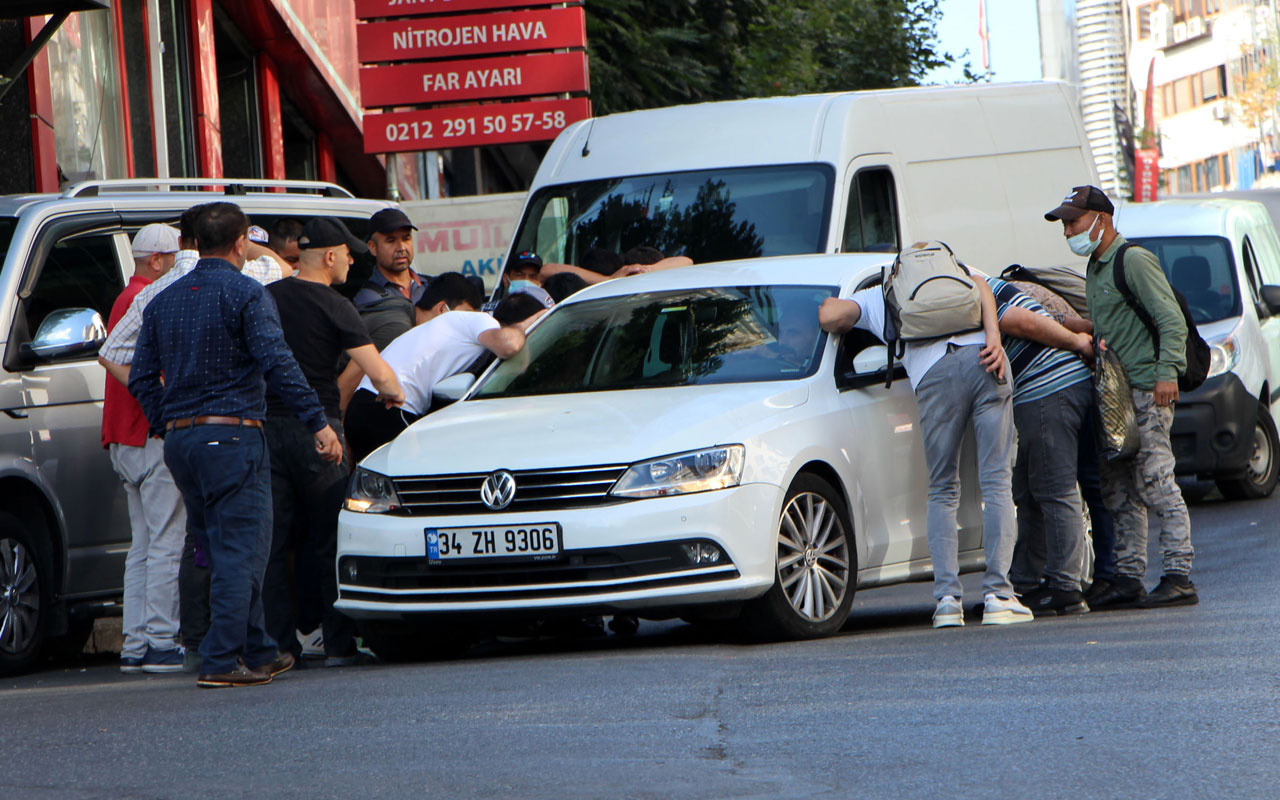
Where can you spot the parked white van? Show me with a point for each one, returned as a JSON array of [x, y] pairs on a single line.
[[1224, 256], [850, 172]]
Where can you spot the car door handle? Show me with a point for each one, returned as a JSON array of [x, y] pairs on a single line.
[[16, 413]]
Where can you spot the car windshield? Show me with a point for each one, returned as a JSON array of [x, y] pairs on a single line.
[[714, 215], [1202, 268], [674, 338]]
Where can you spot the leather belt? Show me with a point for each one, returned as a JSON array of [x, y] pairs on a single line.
[[191, 422]]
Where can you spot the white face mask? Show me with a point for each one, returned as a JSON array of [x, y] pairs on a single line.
[[1081, 244]]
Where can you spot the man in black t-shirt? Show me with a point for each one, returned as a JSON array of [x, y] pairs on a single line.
[[319, 325]]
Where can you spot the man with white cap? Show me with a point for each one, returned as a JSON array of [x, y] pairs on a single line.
[[156, 512]]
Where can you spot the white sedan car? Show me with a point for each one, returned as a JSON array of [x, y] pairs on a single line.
[[681, 443]]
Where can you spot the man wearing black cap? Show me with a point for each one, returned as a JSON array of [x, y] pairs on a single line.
[[385, 302], [1131, 486], [319, 326], [520, 273]]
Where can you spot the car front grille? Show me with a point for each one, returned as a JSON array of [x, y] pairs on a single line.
[[536, 490]]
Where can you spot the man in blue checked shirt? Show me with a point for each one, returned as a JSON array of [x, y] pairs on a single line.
[[206, 345], [1053, 392]]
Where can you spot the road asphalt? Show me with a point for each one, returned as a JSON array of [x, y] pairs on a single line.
[[1176, 703]]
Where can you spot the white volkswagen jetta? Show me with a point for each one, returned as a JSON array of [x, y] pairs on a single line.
[[682, 443]]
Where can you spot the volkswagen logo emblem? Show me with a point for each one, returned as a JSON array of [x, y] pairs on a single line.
[[498, 490]]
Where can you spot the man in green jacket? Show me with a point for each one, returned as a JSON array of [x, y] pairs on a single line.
[[1145, 481]]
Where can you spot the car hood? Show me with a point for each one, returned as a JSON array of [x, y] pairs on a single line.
[[568, 430]]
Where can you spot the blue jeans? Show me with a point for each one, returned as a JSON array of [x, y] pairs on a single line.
[[1050, 524], [1104, 526], [953, 393], [225, 480]]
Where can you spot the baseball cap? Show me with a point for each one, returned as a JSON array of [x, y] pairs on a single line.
[[537, 293], [388, 220], [522, 258], [155, 238], [320, 232], [1081, 199]]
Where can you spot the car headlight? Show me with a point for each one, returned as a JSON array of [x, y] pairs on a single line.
[[683, 473], [371, 493], [1224, 354]]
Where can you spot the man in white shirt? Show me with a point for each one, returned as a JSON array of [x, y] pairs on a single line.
[[429, 352], [957, 380]]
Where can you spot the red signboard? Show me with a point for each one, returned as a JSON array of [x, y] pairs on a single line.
[[369, 9], [420, 83], [471, 126], [1146, 186], [472, 35]]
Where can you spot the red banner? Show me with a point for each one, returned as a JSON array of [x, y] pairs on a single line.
[[472, 35], [1147, 182], [420, 83], [369, 9], [471, 126]]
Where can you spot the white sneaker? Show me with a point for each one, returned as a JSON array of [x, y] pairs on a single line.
[[948, 614], [999, 610], [312, 643]]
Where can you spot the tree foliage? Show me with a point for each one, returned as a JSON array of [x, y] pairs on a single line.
[[647, 53]]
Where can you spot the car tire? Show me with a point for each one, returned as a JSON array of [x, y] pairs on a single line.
[[1259, 479], [400, 643], [25, 597], [815, 567]]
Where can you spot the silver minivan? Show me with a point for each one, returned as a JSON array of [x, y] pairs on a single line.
[[64, 526]]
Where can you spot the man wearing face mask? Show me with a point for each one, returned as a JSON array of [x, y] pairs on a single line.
[[1132, 486], [520, 273]]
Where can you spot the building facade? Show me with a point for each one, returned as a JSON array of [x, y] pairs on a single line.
[[192, 88], [1210, 61]]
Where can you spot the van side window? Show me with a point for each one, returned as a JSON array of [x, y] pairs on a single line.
[[871, 224], [81, 271]]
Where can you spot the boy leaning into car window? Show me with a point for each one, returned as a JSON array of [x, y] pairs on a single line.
[[957, 379]]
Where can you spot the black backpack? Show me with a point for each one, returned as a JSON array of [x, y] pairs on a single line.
[[1197, 368]]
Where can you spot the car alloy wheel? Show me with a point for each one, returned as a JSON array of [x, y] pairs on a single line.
[[813, 557], [19, 598], [813, 590]]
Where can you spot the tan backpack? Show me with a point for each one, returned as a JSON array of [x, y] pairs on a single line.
[[928, 295]]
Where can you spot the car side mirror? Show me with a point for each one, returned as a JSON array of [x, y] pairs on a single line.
[[871, 360], [1271, 297], [452, 388], [67, 332]]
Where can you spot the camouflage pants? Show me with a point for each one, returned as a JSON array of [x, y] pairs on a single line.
[[1131, 486]]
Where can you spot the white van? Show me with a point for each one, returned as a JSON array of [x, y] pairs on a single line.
[[852, 172], [1224, 256]]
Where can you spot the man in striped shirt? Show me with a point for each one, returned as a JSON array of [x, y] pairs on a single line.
[[1053, 391]]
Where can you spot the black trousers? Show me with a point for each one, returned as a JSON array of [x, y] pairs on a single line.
[[193, 594], [306, 494], [370, 424]]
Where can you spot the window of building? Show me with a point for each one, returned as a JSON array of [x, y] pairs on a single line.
[[179, 113], [237, 102], [1144, 21], [84, 83]]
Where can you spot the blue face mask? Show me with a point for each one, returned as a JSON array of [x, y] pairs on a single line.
[[519, 286], [1081, 244]]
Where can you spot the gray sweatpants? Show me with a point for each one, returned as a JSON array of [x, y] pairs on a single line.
[[954, 392], [1146, 481]]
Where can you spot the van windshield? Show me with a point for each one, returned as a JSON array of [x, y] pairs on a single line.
[[712, 215], [675, 338], [1203, 269], [7, 224]]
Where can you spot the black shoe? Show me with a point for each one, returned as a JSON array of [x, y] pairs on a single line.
[[1048, 601], [1096, 589], [1174, 590], [1124, 592]]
